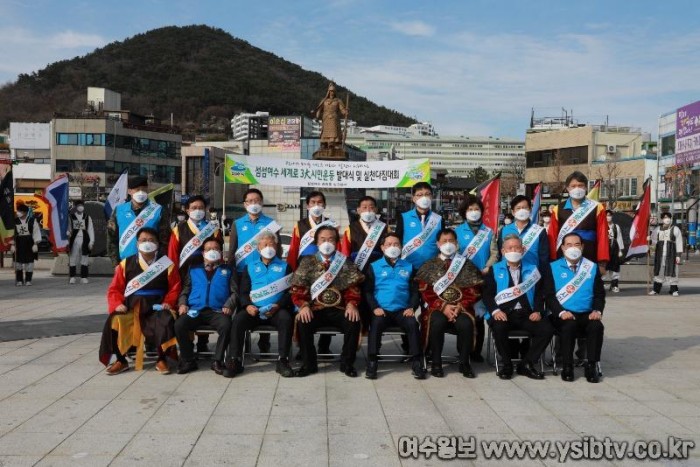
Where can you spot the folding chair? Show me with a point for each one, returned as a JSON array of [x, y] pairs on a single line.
[[258, 356], [492, 355], [553, 350]]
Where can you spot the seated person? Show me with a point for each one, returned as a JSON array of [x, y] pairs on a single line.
[[514, 300], [326, 292], [264, 299], [140, 300], [575, 294], [208, 297], [450, 284], [392, 296]]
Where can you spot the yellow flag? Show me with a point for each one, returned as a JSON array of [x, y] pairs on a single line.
[[594, 194]]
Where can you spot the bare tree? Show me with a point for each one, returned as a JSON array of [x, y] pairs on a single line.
[[609, 173], [556, 187], [512, 175]]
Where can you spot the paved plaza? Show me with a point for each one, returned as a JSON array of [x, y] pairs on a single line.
[[57, 406]]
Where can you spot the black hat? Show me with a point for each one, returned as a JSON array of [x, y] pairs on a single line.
[[665, 214], [78, 201], [136, 181]]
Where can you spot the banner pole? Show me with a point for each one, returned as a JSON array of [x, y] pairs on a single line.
[[649, 267]]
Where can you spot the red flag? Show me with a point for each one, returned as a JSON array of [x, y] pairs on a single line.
[[640, 225], [490, 194]]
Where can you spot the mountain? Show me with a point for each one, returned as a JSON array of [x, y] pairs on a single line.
[[202, 75]]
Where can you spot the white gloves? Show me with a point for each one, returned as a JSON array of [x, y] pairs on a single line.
[[12, 249], [678, 260], [35, 248], [90, 246], [619, 254]]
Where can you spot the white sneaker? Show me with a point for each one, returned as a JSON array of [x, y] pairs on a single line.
[[675, 294], [72, 280], [653, 293], [28, 284], [615, 289], [84, 280], [19, 284]]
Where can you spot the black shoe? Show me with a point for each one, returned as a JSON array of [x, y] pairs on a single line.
[[506, 372], [233, 368], [476, 357], [466, 370], [567, 373], [371, 371], [324, 350], [284, 369], [418, 370], [437, 371], [303, 371], [529, 370], [591, 372], [349, 370], [186, 367], [217, 367]]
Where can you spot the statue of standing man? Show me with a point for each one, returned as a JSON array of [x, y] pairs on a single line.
[[330, 111]]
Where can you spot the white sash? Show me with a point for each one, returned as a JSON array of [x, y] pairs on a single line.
[[251, 245], [308, 237], [511, 293], [329, 276], [531, 236], [445, 281], [577, 216], [196, 241], [476, 243], [145, 216], [584, 271], [370, 241], [280, 285], [148, 275], [416, 242]]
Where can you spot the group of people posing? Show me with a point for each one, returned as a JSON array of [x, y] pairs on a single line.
[[421, 277]]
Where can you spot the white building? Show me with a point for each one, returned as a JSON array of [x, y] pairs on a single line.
[[240, 124]]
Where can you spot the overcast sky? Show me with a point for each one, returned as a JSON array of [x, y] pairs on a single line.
[[473, 67]]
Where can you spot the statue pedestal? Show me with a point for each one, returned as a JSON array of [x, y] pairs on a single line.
[[331, 154]]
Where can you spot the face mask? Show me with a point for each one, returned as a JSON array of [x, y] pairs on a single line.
[[448, 249], [609, 219], [21, 213], [666, 221], [197, 215], [578, 193], [316, 211], [473, 216], [506, 221], [513, 256], [522, 214], [573, 253], [268, 252], [212, 255], [326, 248], [392, 252], [546, 220], [140, 197], [180, 218], [80, 208], [368, 216], [423, 202], [213, 216], [147, 247], [253, 208]]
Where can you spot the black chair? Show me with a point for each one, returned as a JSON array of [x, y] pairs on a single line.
[[492, 355]]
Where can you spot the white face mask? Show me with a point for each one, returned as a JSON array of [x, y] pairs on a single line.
[[140, 197], [522, 214], [573, 253], [448, 249], [317, 210], [326, 248], [180, 218], [212, 255], [473, 216], [392, 252], [666, 221], [609, 218], [513, 256], [147, 247], [253, 208], [546, 220], [506, 221], [80, 208], [268, 252], [577, 193], [197, 215], [21, 213], [423, 202], [368, 216]]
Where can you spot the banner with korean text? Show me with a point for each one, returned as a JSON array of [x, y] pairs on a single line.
[[261, 170]]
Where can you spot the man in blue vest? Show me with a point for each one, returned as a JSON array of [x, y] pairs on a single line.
[[514, 300], [575, 294], [264, 299], [392, 297], [128, 218], [533, 236], [478, 243], [208, 297], [418, 228]]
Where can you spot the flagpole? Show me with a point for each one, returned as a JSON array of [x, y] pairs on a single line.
[[648, 264]]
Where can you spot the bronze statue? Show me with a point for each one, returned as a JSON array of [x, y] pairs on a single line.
[[330, 111]]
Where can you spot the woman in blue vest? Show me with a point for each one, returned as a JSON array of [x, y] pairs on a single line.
[[514, 299], [575, 295], [478, 243], [534, 236], [264, 299], [208, 297]]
